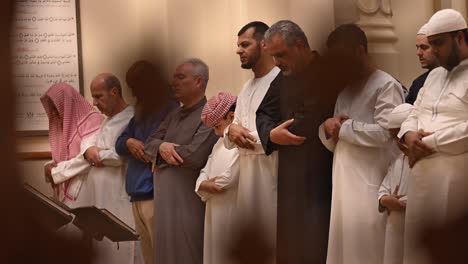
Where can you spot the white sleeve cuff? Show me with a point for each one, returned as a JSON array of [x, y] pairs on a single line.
[[345, 127], [227, 142], [431, 142], [328, 143]]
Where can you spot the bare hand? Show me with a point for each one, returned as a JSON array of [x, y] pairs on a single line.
[[92, 156], [392, 202], [169, 154], [423, 133], [282, 136], [332, 126], [241, 136], [137, 148], [48, 173], [210, 186], [417, 149]]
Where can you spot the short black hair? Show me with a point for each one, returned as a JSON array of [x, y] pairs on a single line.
[[349, 34], [260, 29], [112, 82], [465, 34]]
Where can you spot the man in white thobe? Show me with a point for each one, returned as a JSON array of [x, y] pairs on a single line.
[[104, 186], [257, 192], [363, 150], [436, 134]]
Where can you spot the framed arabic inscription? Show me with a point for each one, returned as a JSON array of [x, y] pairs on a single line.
[[46, 49]]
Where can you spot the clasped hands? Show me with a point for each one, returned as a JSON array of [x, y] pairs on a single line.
[[168, 152], [210, 186], [241, 136], [48, 173], [332, 126], [92, 156], [417, 149], [137, 149], [392, 202]]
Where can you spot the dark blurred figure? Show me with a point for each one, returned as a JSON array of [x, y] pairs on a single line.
[[448, 243], [149, 87], [250, 245], [152, 106], [362, 148], [288, 120], [24, 239]]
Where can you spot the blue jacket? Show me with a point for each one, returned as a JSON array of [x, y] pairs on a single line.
[[139, 179]]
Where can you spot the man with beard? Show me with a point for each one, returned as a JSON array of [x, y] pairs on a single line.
[[288, 120], [436, 134], [363, 150], [428, 61], [258, 172]]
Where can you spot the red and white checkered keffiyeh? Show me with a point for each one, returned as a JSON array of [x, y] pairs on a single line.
[[76, 120], [216, 108]]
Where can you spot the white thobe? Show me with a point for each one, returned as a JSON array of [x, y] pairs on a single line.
[[104, 187], [438, 185], [258, 178], [395, 227], [361, 159], [220, 208]]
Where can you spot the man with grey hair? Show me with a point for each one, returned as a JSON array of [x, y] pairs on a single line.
[[291, 112], [290, 61], [179, 149]]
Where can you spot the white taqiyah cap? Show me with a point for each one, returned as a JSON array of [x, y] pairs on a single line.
[[399, 115], [445, 20], [423, 30]]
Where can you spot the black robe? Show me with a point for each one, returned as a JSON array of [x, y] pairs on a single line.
[[304, 176], [417, 84]]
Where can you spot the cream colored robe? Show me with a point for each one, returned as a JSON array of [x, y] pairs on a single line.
[[258, 178], [438, 184], [395, 227], [361, 158], [220, 208]]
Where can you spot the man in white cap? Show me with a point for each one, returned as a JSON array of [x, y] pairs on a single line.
[[217, 183], [392, 192], [428, 61], [436, 133]]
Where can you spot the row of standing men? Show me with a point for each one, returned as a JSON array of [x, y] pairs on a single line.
[[268, 181]]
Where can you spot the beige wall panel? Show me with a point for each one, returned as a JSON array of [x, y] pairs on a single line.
[[408, 17], [115, 33]]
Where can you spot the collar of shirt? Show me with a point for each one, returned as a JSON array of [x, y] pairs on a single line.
[[186, 111]]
